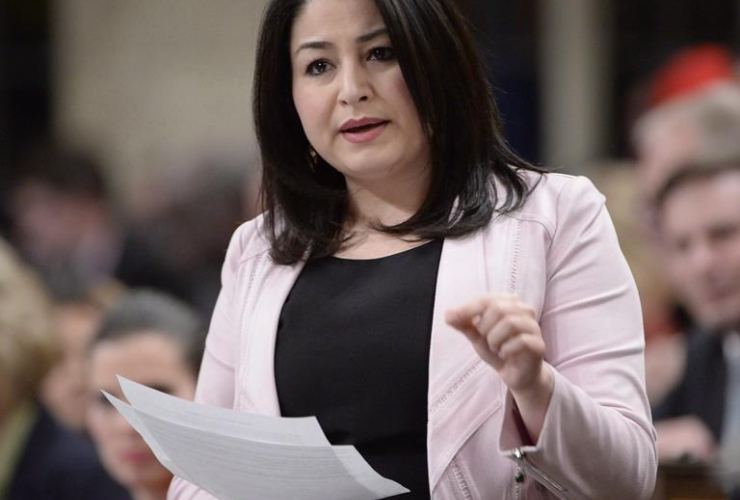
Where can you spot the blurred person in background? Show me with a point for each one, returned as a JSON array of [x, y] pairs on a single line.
[[190, 214], [693, 105], [39, 459], [699, 230], [65, 223], [152, 339], [691, 129], [664, 359], [75, 321]]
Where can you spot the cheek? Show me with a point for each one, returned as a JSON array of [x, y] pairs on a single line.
[[99, 429], [184, 386], [681, 270], [312, 109], [402, 97], [734, 258]]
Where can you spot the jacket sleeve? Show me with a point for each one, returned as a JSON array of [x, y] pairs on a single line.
[[597, 440], [218, 368]]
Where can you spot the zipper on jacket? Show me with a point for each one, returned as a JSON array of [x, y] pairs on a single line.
[[460, 480], [518, 481], [538, 474]]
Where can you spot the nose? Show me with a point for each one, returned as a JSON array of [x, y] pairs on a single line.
[[355, 85], [116, 424]]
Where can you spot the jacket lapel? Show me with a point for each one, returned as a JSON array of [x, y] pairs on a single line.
[[464, 391], [258, 355]]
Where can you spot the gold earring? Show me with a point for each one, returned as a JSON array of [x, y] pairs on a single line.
[[314, 158]]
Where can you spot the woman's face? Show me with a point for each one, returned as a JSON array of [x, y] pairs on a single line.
[[351, 96], [64, 390], [149, 358]]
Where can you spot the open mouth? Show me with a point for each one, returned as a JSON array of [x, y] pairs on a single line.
[[364, 132], [364, 128]]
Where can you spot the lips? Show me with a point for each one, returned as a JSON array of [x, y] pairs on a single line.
[[136, 456], [363, 130]]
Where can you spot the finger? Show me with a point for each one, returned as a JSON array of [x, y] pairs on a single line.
[[463, 315], [525, 343], [499, 309], [481, 348], [509, 327], [476, 307]]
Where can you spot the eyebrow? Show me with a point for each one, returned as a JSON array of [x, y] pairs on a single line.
[[359, 40]]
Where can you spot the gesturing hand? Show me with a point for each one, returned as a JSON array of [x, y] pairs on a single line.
[[505, 333]]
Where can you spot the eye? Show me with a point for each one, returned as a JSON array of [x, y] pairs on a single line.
[[382, 54], [724, 232], [318, 67]]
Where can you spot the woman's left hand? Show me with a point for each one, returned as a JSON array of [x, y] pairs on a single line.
[[505, 333]]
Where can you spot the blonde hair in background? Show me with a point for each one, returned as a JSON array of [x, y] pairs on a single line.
[[28, 347]]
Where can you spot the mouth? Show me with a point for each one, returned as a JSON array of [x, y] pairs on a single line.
[[365, 130], [136, 456]]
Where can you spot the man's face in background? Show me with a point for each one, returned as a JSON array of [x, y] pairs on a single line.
[[700, 232]]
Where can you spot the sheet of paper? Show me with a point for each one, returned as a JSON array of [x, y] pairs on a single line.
[[267, 459], [131, 416], [306, 431]]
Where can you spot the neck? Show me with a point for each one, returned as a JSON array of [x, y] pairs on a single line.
[[387, 202]]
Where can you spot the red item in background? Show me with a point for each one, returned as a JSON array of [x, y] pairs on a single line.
[[690, 70]]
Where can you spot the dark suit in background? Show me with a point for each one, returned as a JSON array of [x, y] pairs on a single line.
[[58, 464], [701, 390]]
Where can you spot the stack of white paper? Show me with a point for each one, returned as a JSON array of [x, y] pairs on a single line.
[[235, 455]]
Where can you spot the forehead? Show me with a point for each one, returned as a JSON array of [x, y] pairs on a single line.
[[329, 20], [149, 356], [703, 202]]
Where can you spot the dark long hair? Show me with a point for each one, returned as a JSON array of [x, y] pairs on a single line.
[[306, 209]]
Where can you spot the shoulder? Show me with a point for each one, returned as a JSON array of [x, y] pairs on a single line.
[[59, 463], [555, 199], [57, 447], [248, 241]]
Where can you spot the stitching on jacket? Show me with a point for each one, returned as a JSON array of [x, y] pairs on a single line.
[[250, 283], [253, 274], [515, 257], [246, 339], [461, 480], [448, 394], [245, 397]]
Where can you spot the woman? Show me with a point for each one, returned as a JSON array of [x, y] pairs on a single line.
[[154, 340], [467, 322], [39, 457]]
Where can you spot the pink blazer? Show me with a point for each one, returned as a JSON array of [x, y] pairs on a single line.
[[560, 254]]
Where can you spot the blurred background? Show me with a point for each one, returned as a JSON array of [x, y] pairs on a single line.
[[147, 87], [128, 157], [149, 102]]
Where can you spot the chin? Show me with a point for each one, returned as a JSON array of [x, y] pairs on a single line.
[[152, 477]]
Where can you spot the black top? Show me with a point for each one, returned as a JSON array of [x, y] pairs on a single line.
[[353, 349]]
